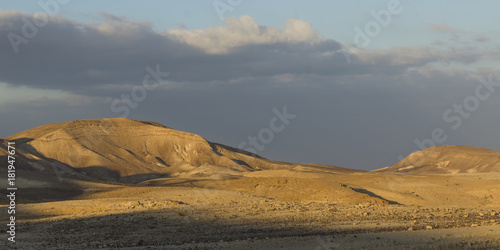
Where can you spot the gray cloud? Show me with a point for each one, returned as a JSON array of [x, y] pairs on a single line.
[[77, 56], [439, 27], [482, 39], [361, 114], [355, 121]]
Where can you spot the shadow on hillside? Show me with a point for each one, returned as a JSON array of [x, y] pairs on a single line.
[[38, 180], [138, 178], [241, 151], [364, 191]]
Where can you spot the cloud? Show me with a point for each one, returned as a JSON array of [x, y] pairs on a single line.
[[443, 28], [243, 31], [71, 55], [416, 56], [225, 80], [482, 39], [338, 119], [82, 57]]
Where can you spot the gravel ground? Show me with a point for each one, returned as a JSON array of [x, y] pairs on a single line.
[[115, 223]]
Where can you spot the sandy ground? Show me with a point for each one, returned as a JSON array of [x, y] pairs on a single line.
[[273, 209]]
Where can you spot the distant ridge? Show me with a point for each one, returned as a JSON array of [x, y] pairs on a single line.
[[448, 160]]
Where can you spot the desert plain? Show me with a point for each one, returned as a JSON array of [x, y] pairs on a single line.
[[125, 184]]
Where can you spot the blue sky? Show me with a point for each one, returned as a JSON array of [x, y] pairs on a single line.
[[333, 19], [226, 76]]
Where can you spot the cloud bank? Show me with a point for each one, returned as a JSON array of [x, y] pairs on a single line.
[[225, 80]]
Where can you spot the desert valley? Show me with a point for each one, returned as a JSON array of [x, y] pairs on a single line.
[[121, 183]]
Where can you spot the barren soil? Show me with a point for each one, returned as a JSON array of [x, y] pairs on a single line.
[[274, 209]]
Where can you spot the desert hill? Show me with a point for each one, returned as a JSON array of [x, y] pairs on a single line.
[[121, 149], [448, 160], [133, 184]]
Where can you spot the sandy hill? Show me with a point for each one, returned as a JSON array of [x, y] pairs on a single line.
[[128, 150], [448, 160]]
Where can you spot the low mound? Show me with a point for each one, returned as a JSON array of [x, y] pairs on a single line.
[[301, 189], [282, 185], [448, 160]]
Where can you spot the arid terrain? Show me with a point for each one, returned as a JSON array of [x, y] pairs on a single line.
[[119, 183]]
